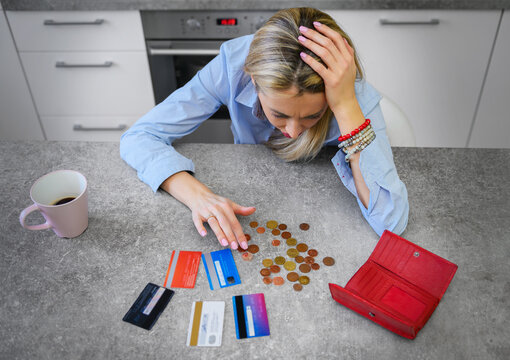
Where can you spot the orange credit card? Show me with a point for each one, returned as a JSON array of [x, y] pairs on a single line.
[[183, 269]]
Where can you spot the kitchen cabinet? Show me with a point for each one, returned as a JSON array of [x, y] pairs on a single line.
[[431, 63], [491, 128], [18, 118], [88, 71]]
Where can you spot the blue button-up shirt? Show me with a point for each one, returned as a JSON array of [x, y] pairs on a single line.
[[147, 145]]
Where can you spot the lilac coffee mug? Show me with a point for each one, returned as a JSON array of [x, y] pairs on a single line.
[[61, 197]]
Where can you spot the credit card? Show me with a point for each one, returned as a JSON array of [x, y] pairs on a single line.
[[250, 316], [148, 306], [183, 269], [221, 269], [206, 323]]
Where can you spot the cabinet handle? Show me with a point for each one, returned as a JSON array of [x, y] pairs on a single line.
[[153, 51], [394, 22], [63, 64], [78, 127], [53, 22]]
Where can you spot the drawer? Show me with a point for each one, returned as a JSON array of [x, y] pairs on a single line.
[[98, 83], [77, 30], [83, 128]]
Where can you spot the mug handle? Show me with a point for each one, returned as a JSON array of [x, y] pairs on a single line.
[[25, 213]]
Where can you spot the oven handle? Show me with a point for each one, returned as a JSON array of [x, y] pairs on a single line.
[[153, 51]]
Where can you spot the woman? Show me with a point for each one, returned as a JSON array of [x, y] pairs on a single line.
[[296, 86]]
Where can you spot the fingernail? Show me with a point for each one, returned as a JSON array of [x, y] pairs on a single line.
[[224, 242], [244, 245], [303, 29], [316, 23], [233, 245], [203, 233], [303, 55], [301, 38]]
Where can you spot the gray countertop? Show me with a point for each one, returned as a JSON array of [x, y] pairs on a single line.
[[248, 4], [65, 298]]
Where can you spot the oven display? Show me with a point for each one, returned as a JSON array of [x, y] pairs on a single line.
[[226, 22]]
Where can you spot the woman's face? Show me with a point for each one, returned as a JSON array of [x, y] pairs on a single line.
[[292, 114]]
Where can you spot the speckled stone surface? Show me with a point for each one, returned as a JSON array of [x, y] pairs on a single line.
[[65, 298], [248, 4]]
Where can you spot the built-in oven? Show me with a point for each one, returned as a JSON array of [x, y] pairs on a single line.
[[180, 43]]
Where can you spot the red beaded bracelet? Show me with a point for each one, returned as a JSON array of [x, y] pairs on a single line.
[[354, 132]]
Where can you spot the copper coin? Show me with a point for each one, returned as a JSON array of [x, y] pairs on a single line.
[[298, 287], [291, 241], [313, 252], [282, 226], [267, 280], [278, 280], [247, 256], [292, 276], [240, 249], [265, 272], [328, 261], [289, 265], [315, 266], [276, 242], [302, 247], [254, 224], [292, 253], [280, 260], [275, 269], [271, 224], [304, 280], [304, 268], [299, 259], [247, 236], [308, 259], [261, 230], [275, 232], [304, 226], [286, 234], [267, 262], [253, 249]]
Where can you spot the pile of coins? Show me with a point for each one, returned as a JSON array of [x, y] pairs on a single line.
[[298, 253]]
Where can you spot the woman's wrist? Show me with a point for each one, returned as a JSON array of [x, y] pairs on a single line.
[[349, 116], [184, 187]]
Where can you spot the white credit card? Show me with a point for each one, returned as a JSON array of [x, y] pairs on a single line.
[[206, 323]]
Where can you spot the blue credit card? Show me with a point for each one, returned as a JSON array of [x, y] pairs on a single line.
[[221, 269]]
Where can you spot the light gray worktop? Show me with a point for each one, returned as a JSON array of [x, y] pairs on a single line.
[[65, 298], [248, 4]]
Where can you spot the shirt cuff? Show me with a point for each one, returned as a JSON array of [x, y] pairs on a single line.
[[162, 169]]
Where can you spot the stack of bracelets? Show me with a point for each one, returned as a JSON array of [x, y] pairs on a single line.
[[362, 136]]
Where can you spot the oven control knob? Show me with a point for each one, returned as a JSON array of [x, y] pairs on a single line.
[[193, 24]]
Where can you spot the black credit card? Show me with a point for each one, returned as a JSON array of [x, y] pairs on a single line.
[[148, 307]]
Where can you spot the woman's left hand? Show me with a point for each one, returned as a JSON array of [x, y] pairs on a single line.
[[339, 73]]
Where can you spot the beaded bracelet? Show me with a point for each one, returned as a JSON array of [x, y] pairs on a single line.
[[354, 132], [361, 145], [364, 138], [355, 138]]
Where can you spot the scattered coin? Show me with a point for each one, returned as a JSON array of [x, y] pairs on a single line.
[[304, 268], [275, 232], [315, 266], [240, 249], [289, 265], [291, 241], [313, 252], [276, 242], [302, 247], [282, 226], [267, 262], [308, 259], [304, 226], [271, 224], [261, 230], [292, 253], [247, 236], [292, 276], [280, 260], [304, 280], [328, 261], [274, 269], [254, 224], [299, 259], [267, 280], [265, 272], [278, 280], [247, 256], [286, 234], [298, 287], [253, 249]]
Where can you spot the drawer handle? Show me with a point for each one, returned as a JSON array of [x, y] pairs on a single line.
[[78, 127], [63, 64], [53, 22], [153, 51], [394, 22]]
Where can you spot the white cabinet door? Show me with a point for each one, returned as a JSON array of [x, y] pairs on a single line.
[[492, 124], [434, 72], [18, 118]]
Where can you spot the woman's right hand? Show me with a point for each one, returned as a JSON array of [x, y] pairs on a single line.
[[219, 212]]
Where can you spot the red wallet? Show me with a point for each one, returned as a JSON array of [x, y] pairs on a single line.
[[398, 287]]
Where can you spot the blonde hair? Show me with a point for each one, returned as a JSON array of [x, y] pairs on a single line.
[[274, 63]]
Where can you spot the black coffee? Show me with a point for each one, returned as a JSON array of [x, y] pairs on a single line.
[[64, 200]]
